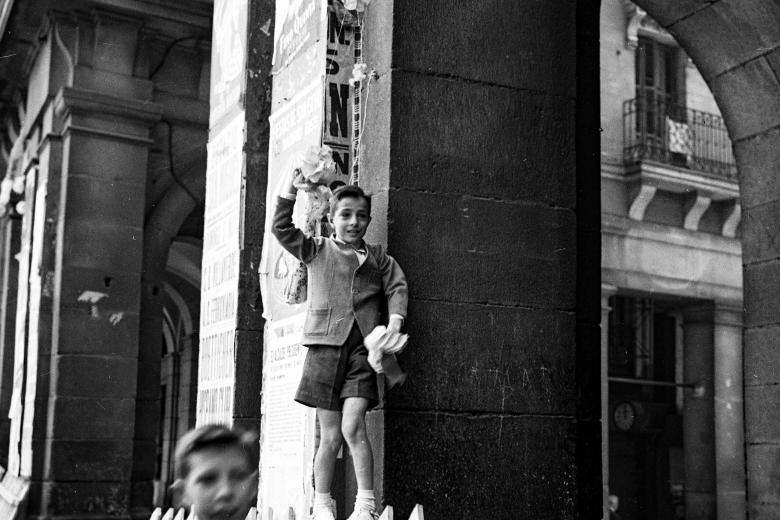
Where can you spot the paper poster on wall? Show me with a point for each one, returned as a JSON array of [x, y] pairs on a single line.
[[294, 129], [220, 273], [228, 57], [287, 445]]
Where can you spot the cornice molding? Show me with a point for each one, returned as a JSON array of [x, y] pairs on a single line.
[[71, 100]]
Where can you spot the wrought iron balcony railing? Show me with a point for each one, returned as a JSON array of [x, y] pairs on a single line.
[[655, 130]]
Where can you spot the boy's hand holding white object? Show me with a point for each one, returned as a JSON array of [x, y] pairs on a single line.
[[383, 343]]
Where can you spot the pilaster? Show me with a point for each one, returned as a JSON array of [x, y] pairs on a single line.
[[698, 414], [729, 412]]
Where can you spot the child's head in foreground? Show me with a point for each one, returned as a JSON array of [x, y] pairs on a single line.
[[350, 213], [216, 472]]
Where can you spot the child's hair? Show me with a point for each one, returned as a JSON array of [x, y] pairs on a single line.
[[213, 436], [349, 190]]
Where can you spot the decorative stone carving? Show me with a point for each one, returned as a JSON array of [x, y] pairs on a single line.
[[732, 220], [641, 201], [634, 15], [695, 210]]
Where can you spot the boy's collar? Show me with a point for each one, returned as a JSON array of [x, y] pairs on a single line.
[[361, 249]]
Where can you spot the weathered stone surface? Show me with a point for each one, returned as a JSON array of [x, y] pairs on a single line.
[[762, 362], [91, 243], [107, 201], [587, 381], [755, 157], [90, 460], [484, 251], [709, 32], [763, 469], [667, 13], [747, 97], [762, 423], [108, 159], [85, 498], [505, 360], [249, 369], [87, 418], [465, 466], [466, 33], [116, 291], [148, 380], [95, 376], [460, 137], [762, 299], [761, 232]]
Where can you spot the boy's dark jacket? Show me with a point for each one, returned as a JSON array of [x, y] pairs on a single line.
[[341, 290]]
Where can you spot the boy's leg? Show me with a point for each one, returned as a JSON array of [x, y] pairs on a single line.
[[325, 462], [330, 442], [353, 426]]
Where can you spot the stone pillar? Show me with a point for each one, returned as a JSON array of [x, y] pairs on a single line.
[[77, 426], [607, 291], [729, 413], [95, 359], [698, 414], [471, 152]]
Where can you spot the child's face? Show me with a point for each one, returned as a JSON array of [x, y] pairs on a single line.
[[220, 485], [350, 219]]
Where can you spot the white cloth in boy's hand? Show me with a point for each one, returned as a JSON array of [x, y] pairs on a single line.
[[382, 342]]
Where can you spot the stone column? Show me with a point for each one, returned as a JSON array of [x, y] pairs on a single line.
[[471, 151], [729, 410], [698, 414], [87, 236], [607, 291]]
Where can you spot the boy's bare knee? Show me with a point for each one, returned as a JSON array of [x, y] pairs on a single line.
[[354, 431]]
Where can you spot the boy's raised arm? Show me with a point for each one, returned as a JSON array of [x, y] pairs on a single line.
[[290, 237]]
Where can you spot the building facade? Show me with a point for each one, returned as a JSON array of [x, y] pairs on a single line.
[[671, 281]]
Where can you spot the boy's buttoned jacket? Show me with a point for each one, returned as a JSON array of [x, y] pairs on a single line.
[[340, 289]]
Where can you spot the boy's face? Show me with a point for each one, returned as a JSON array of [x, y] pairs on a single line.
[[350, 219], [220, 485]]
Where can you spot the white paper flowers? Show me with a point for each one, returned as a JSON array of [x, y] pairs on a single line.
[[318, 166], [356, 5], [358, 73]]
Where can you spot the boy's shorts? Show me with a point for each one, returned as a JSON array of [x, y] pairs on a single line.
[[331, 374]]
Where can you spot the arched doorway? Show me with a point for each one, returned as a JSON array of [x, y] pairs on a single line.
[[179, 358], [736, 45]]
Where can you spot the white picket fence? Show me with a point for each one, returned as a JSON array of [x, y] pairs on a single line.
[[254, 514]]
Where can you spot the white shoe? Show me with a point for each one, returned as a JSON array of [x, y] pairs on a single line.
[[363, 514], [323, 514]]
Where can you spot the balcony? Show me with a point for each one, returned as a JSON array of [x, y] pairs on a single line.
[[681, 151], [656, 131]]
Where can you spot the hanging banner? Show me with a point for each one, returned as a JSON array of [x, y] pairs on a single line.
[[337, 130]]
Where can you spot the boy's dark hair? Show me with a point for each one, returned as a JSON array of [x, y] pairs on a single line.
[[213, 436], [349, 190]]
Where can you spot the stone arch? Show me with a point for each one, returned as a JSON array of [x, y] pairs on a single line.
[[160, 230], [736, 46]]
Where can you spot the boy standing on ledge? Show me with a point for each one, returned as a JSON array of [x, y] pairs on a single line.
[[349, 282]]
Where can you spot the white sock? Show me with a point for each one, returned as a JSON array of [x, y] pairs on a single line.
[[365, 500], [322, 501]]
